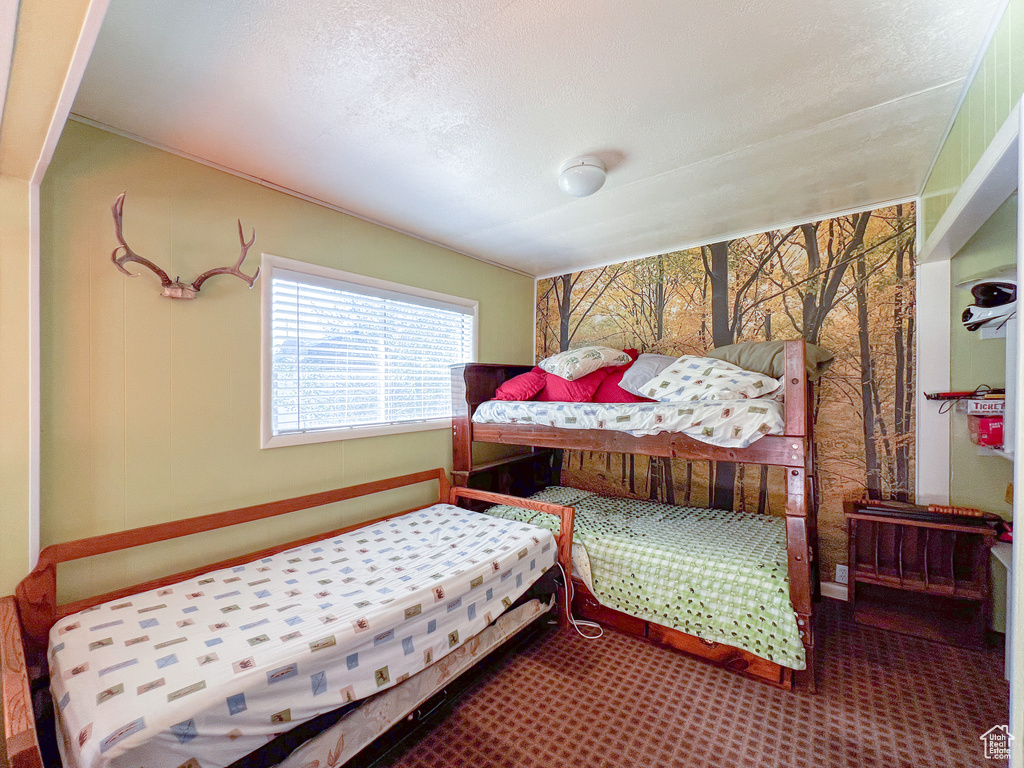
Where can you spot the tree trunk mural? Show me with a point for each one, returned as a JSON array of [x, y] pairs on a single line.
[[872, 471], [903, 318], [845, 283], [721, 493]]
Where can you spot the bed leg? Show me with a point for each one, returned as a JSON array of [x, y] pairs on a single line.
[[565, 610], [806, 678], [20, 739]]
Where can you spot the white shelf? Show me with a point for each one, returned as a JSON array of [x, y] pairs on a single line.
[[986, 451], [1003, 552]]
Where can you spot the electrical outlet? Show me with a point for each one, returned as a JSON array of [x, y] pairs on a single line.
[[842, 574]]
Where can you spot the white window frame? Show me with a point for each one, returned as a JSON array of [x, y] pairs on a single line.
[[268, 439]]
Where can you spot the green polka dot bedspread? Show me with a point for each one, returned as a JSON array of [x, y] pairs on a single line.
[[717, 574]]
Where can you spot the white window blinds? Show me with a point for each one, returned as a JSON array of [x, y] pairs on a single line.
[[346, 355]]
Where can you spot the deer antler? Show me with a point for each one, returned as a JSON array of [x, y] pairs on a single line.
[[175, 289], [129, 255], [235, 270]]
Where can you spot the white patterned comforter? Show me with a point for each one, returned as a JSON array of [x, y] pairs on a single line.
[[205, 671], [725, 423]]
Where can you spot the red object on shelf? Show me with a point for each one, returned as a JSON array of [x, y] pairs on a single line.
[[986, 430]]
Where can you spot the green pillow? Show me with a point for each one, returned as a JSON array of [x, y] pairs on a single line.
[[769, 357]]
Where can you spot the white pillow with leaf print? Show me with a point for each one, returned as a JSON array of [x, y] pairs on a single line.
[[577, 363], [703, 378]]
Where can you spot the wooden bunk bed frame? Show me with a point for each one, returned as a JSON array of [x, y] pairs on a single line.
[[27, 616], [475, 383]]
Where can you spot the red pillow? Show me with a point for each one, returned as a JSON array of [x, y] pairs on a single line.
[[557, 389], [611, 392], [522, 387]]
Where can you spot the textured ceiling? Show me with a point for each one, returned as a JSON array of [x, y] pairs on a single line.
[[449, 120]]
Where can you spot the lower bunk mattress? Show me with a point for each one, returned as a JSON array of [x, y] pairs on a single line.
[[717, 574], [205, 671]]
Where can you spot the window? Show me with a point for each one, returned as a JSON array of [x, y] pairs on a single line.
[[351, 356]]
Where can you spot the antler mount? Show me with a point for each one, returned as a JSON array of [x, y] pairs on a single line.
[[175, 289]]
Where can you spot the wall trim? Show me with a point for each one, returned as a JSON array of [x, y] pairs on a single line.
[[933, 361], [835, 590], [8, 26], [91, 24], [746, 233]]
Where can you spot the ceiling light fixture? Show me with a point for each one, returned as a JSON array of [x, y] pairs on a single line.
[[581, 176]]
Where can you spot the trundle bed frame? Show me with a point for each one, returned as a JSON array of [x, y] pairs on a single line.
[[26, 617], [475, 383]]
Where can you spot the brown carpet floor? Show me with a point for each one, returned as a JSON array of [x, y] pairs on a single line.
[[885, 700]]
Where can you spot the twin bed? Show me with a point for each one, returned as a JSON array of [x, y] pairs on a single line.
[[207, 667], [224, 664]]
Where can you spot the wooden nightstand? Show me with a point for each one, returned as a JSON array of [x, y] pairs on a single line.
[[920, 573]]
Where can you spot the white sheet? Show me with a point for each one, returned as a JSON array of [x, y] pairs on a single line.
[[726, 423], [212, 668]]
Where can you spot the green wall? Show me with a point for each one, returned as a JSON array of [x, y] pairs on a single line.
[[150, 407], [996, 88], [976, 480]]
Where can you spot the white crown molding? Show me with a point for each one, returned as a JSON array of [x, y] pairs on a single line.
[[742, 234]]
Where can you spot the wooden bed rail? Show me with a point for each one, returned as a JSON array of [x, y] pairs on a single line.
[[565, 514], [563, 538], [795, 385], [475, 383], [36, 595]]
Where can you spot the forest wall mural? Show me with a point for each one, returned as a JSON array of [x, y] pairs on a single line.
[[845, 283]]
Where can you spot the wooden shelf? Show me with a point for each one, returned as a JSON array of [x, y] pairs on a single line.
[[916, 583], [954, 622], [920, 574]]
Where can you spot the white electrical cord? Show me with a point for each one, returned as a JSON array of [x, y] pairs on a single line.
[[569, 590]]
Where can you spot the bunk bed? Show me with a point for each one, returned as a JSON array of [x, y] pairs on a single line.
[[476, 383], [297, 640]]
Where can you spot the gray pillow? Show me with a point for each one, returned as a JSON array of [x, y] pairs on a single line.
[[769, 357], [646, 367]]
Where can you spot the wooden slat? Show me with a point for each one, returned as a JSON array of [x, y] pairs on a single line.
[[978, 530], [36, 594], [776, 450], [796, 387], [899, 550], [798, 548], [851, 557], [150, 534], [163, 581], [719, 654], [927, 545], [565, 514], [563, 538], [462, 429], [931, 587], [952, 561], [20, 738]]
